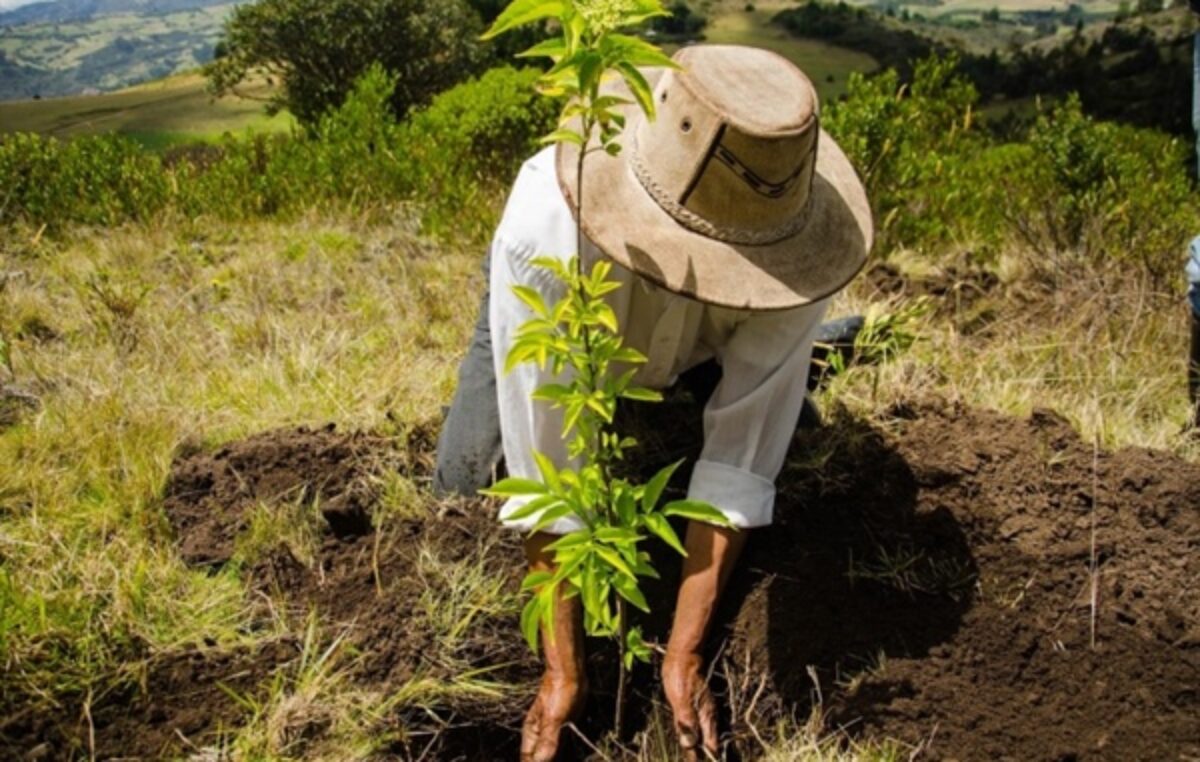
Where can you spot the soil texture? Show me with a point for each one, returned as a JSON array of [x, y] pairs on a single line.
[[975, 586]]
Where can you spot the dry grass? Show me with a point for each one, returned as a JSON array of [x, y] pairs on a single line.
[[1098, 343], [147, 337], [138, 339]]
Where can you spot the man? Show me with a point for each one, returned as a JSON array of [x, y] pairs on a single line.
[[732, 218]]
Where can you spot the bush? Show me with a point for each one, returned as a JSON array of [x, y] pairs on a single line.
[[465, 148], [100, 180], [912, 145], [453, 159], [1103, 189]]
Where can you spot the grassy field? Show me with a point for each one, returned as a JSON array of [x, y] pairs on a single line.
[[173, 110], [827, 65]]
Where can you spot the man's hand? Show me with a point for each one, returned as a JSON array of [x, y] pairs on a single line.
[[559, 700], [692, 704], [712, 553], [564, 684]]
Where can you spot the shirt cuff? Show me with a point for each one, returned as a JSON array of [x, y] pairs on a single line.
[[746, 499], [564, 525]]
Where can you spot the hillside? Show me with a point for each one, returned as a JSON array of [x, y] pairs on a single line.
[[72, 47], [60, 11], [177, 109], [1135, 69]]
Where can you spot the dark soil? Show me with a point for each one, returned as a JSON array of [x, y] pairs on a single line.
[[927, 578], [938, 579]]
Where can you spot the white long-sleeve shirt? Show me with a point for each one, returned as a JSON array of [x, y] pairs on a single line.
[[764, 356]]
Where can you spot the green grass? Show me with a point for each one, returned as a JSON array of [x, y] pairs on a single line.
[[158, 114], [826, 65]]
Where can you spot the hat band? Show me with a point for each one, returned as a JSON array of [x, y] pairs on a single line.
[[698, 224]]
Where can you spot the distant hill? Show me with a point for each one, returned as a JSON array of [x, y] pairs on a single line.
[[61, 11], [72, 47], [1135, 69]]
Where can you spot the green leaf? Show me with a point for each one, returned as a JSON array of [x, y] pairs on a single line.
[[590, 70], [532, 298], [551, 392], [626, 507], [570, 540], [532, 507], [551, 48], [640, 87], [568, 562], [629, 355], [639, 52], [656, 485], [642, 394], [606, 316], [628, 589], [548, 471], [522, 12], [613, 559], [515, 487], [531, 615], [551, 515], [643, 568], [562, 136], [549, 596], [618, 535], [553, 264], [696, 510], [605, 102], [658, 524], [535, 579]]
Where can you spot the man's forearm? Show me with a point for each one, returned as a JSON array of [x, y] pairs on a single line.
[[712, 555]]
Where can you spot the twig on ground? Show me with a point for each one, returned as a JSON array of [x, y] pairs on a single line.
[[587, 742]]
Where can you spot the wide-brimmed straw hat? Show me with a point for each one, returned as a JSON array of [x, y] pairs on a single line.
[[733, 195]]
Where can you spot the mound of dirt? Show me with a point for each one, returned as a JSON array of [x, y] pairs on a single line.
[[928, 578], [209, 495], [939, 577]]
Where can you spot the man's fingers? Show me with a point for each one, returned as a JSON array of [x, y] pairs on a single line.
[[708, 720], [547, 746], [530, 730]]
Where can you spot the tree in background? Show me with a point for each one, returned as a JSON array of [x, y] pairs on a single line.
[[316, 49], [682, 23]]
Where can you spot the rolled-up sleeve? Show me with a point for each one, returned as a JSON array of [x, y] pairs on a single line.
[[752, 414]]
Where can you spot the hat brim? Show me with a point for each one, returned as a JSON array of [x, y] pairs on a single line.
[[626, 223]]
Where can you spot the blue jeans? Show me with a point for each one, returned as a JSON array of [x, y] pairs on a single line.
[[1193, 273]]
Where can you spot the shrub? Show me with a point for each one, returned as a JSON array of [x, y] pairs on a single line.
[[100, 180], [912, 145], [453, 158], [463, 150], [1103, 189]]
